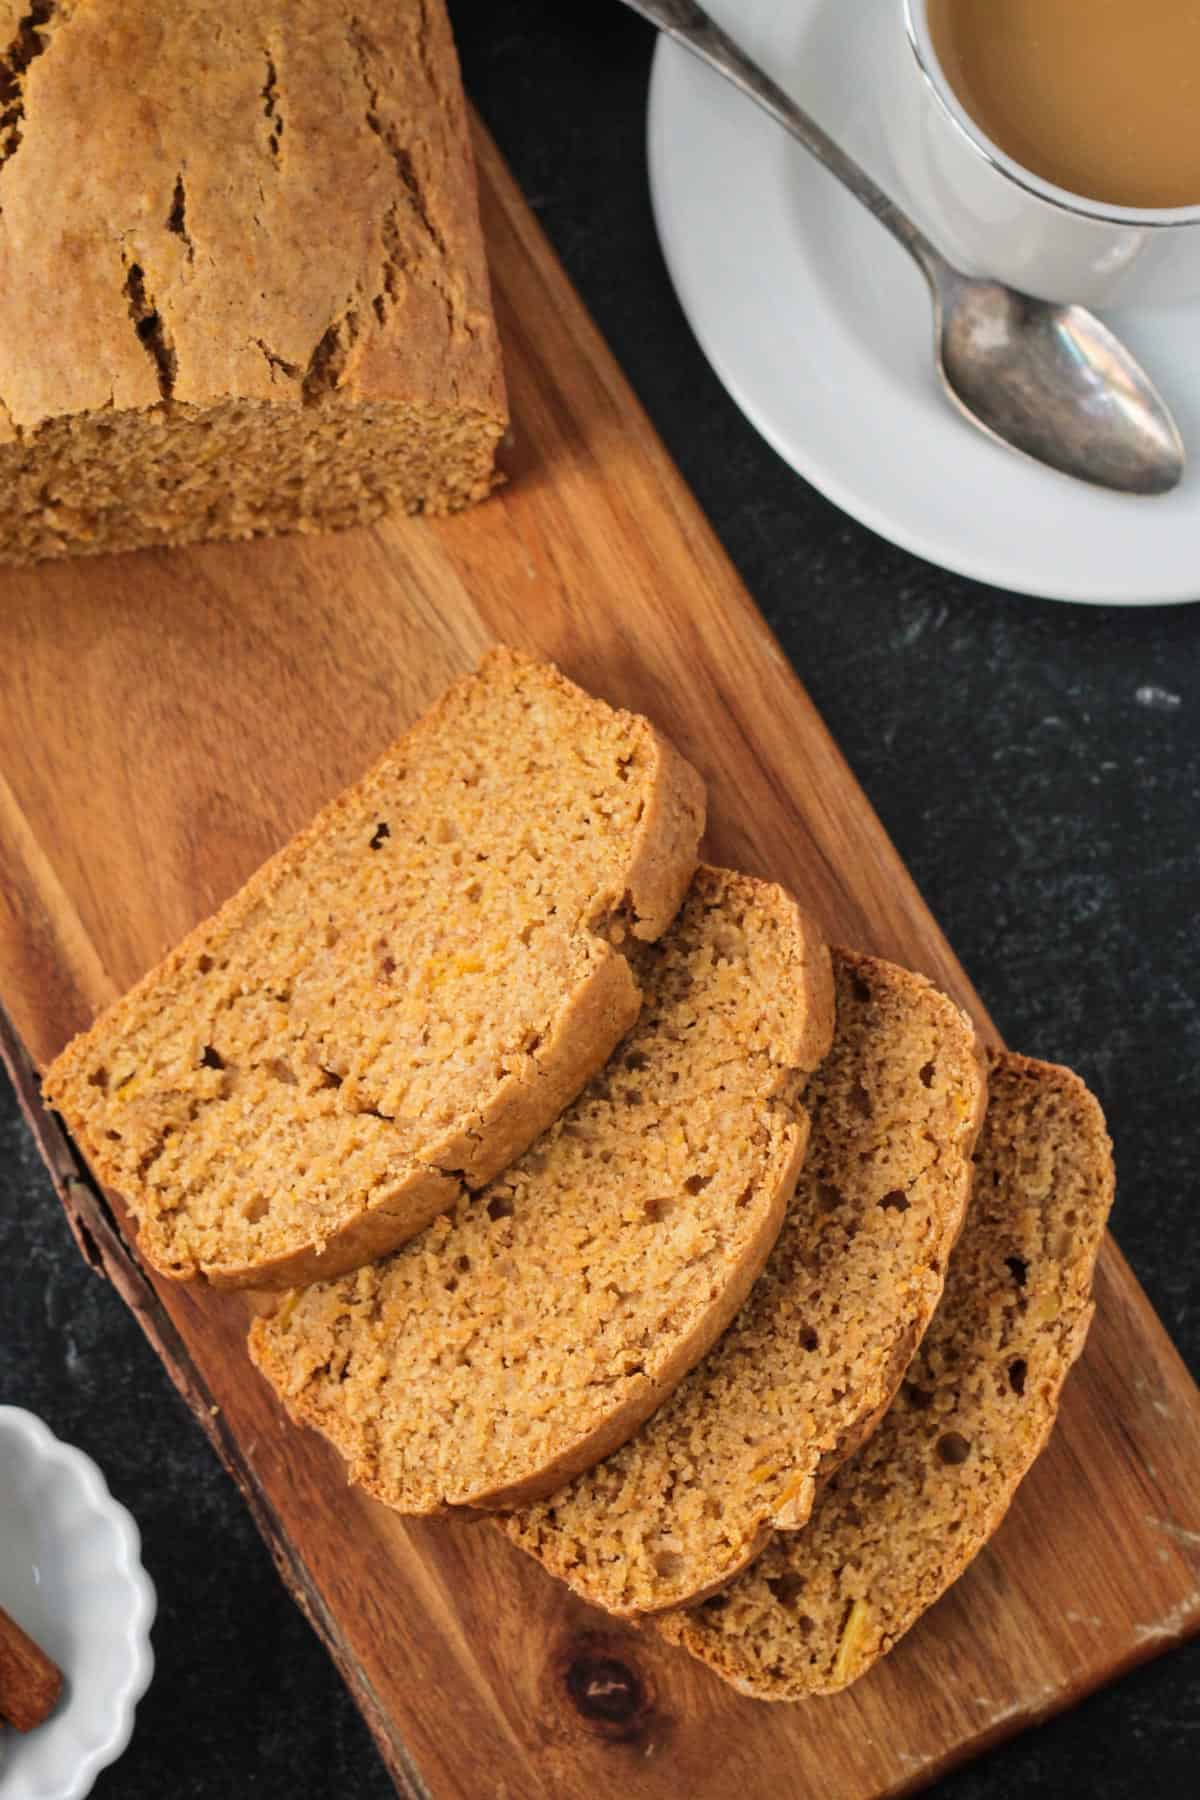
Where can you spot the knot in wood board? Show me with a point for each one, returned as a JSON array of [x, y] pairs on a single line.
[[606, 1691]]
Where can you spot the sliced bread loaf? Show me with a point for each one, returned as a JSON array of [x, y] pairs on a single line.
[[401, 999], [819, 1348], [243, 278], [900, 1522], [532, 1330]]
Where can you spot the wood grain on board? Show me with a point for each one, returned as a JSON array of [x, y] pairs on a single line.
[[167, 720]]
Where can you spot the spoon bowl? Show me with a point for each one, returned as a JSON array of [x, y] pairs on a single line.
[[1054, 383]]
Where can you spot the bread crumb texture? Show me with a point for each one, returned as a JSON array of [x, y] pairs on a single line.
[[902, 1521], [402, 998], [820, 1346], [244, 286], [535, 1327]]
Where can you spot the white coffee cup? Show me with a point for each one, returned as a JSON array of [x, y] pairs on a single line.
[[996, 218]]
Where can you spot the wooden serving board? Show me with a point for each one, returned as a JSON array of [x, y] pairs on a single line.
[[167, 720]]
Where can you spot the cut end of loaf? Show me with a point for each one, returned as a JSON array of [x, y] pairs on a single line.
[[115, 481]]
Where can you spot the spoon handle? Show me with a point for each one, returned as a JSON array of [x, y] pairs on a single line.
[[689, 24]]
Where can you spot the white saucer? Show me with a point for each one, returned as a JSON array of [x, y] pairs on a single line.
[[819, 325], [71, 1575]]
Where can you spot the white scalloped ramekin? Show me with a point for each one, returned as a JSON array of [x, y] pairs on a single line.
[[71, 1574]]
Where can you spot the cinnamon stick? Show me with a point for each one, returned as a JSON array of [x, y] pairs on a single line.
[[29, 1682]]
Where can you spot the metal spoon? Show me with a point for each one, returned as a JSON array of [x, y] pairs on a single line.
[[1050, 381]]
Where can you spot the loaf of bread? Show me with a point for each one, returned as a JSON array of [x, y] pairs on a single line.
[[910, 1512], [399, 1001], [533, 1329], [819, 1348], [244, 287]]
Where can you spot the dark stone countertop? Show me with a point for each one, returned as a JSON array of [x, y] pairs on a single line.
[[1046, 810]]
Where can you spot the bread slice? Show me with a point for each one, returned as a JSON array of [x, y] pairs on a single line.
[[244, 286], [919, 1501], [399, 1001], [535, 1328], [819, 1348]]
